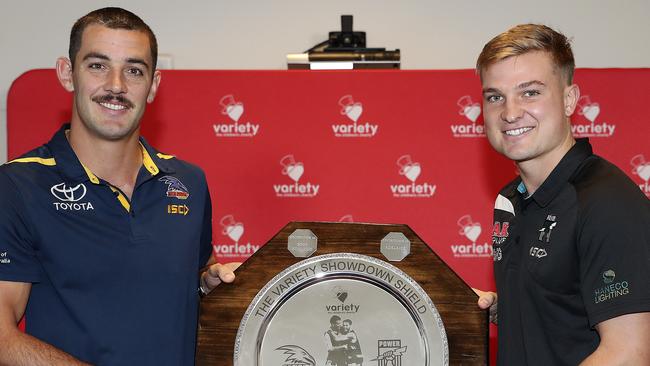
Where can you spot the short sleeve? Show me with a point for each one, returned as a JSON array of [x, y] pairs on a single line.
[[206, 231], [614, 250], [18, 260]]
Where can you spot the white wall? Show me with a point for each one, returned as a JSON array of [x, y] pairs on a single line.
[[256, 34]]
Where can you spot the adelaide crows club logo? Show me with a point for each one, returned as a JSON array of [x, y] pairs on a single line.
[[175, 188], [296, 356]]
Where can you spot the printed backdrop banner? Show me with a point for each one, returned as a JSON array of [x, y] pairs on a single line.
[[357, 146]]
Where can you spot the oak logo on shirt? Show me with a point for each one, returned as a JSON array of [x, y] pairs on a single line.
[[590, 111], [411, 171], [353, 110], [294, 170], [471, 111], [641, 168], [175, 188], [234, 110], [70, 197]]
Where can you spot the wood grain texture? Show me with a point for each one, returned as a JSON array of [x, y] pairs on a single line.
[[221, 311]]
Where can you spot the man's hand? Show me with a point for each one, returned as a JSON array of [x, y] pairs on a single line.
[[488, 300], [217, 273]]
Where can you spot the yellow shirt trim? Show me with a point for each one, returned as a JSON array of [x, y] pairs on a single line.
[[120, 197], [44, 161], [148, 162]]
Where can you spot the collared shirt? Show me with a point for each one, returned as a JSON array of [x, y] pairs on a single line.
[[114, 281], [573, 254]]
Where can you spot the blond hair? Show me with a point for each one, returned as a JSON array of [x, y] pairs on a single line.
[[526, 38]]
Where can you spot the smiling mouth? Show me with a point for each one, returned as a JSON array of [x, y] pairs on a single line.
[[114, 107], [518, 131]]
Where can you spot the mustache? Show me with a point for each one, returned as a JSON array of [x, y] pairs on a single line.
[[108, 98]]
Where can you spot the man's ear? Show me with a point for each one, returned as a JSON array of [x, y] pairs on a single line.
[[154, 86], [571, 96], [64, 73]]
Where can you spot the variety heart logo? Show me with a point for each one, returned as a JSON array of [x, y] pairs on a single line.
[[235, 232], [643, 171], [354, 111], [295, 171], [472, 112], [342, 296], [472, 231], [591, 111], [412, 172], [235, 111]]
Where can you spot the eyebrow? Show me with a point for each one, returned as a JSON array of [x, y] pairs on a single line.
[[131, 60], [523, 85]]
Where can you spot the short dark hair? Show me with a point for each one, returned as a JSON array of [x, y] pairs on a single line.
[[113, 18], [334, 319], [525, 38], [347, 321]]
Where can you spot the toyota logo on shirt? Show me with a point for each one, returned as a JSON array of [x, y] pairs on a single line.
[[68, 194]]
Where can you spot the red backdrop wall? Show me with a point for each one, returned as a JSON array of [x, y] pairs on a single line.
[[363, 146]]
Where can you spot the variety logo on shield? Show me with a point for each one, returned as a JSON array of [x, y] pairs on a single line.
[[353, 111], [70, 197], [641, 168], [471, 231], [234, 231], [233, 110], [294, 170], [590, 111], [411, 171], [339, 306], [471, 111]]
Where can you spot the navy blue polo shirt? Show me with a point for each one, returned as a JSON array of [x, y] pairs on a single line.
[[573, 254], [114, 281]]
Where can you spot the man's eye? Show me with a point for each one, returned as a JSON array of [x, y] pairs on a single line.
[[493, 98], [135, 71], [95, 66], [531, 93]]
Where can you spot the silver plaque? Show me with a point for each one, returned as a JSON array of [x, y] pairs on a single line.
[[341, 309], [302, 243], [395, 246]]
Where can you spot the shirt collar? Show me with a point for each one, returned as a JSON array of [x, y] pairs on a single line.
[[70, 166], [561, 174]]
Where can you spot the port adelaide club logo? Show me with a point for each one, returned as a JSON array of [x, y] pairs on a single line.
[[294, 170], [411, 171], [351, 124], [233, 230], [468, 127], [231, 123]]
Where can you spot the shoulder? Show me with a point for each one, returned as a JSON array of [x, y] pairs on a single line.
[[600, 185], [28, 165]]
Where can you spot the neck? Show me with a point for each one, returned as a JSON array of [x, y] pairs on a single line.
[[535, 171], [117, 162]]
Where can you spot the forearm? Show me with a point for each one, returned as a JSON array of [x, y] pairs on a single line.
[[612, 357], [20, 349]]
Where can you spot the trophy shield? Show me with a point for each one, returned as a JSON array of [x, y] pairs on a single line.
[[343, 294]]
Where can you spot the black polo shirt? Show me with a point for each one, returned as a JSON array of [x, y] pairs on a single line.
[[575, 253], [114, 281]]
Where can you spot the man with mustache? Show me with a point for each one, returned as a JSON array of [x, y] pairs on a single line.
[[102, 237], [571, 237]]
